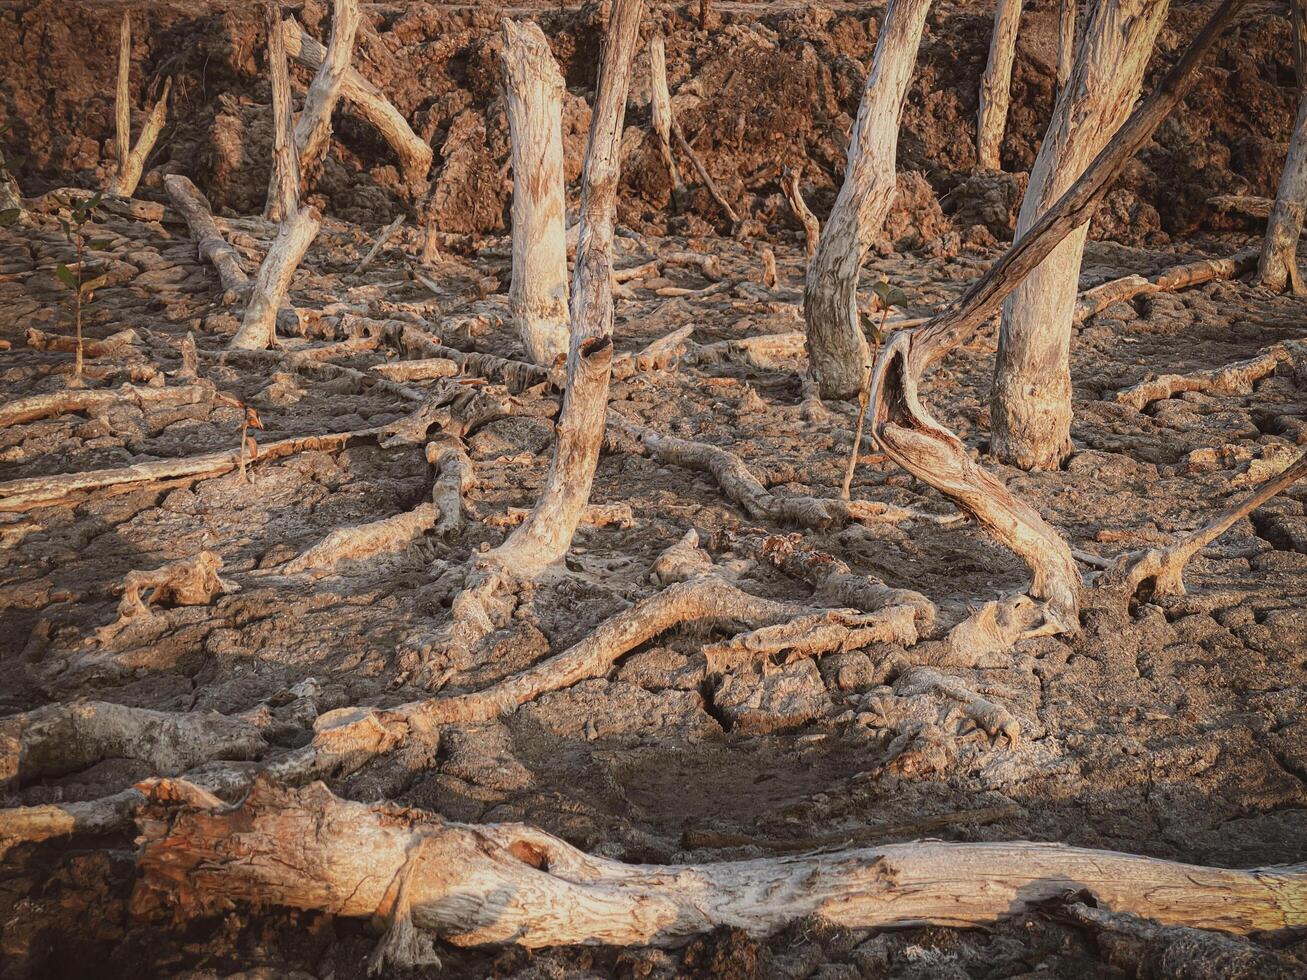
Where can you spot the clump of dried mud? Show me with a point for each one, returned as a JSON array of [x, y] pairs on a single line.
[[1174, 731]]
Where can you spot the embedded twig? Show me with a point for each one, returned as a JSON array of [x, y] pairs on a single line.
[[1094, 301], [454, 480], [389, 534], [188, 582], [386, 234], [703, 173]]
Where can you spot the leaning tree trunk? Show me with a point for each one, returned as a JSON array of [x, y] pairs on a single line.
[[1032, 379], [533, 89], [544, 537], [996, 84], [837, 349], [1278, 266]]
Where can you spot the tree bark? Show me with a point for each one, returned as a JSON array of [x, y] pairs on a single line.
[[1066, 40], [837, 349], [285, 197], [413, 152], [1031, 404], [1278, 266], [662, 112], [996, 85], [510, 883], [122, 104], [259, 326], [546, 535], [533, 89]]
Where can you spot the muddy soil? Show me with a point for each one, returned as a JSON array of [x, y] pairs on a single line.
[[1173, 730]]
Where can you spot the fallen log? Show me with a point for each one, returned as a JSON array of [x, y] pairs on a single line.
[[1093, 301], [510, 883], [1233, 379]]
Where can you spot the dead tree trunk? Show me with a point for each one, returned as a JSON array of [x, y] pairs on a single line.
[[996, 84], [313, 129], [837, 349], [131, 160], [913, 439], [1031, 406], [545, 536], [1278, 266], [413, 152], [285, 197], [259, 326], [533, 89], [662, 112], [511, 883], [1066, 40]]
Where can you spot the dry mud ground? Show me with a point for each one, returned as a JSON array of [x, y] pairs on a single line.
[[1174, 730]]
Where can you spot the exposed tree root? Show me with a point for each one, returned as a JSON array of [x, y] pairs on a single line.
[[110, 346], [51, 404], [188, 582], [1161, 570], [1094, 301], [594, 515], [33, 824], [1234, 379], [509, 883], [389, 534], [681, 562], [44, 491], [386, 234], [993, 719], [1247, 205], [425, 369], [454, 479], [258, 328], [813, 634]]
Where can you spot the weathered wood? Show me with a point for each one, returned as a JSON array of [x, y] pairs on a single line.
[[284, 197], [661, 103], [1066, 40], [258, 329], [122, 103], [811, 226], [837, 349], [1094, 301], [996, 84], [1278, 266], [510, 883], [1031, 401], [547, 534], [209, 242], [533, 89]]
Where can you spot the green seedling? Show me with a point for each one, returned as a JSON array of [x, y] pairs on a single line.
[[74, 277]]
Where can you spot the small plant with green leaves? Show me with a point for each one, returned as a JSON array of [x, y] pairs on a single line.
[[74, 277], [886, 297]]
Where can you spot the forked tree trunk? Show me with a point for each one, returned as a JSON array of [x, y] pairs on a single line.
[[837, 349], [1066, 41], [1031, 408], [661, 101], [313, 129], [544, 537], [259, 327], [285, 198], [996, 84], [131, 161], [1278, 266], [533, 89]]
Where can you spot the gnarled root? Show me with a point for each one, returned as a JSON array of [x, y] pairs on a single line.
[[189, 582], [1093, 301], [510, 883], [454, 479], [1234, 379], [813, 634], [389, 534], [1160, 571], [69, 400]]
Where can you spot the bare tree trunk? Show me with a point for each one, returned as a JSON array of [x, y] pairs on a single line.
[[837, 349], [414, 153], [1278, 266], [285, 198], [122, 104], [662, 112], [533, 89], [811, 226], [904, 428], [1031, 407], [259, 327], [511, 883], [209, 242], [1066, 40], [545, 536], [313, 129], [996, 85]]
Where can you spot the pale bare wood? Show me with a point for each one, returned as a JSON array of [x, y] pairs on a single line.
[[1094, 301], [284, 198], [455, 478], [1233, 379], [258, 328], [129, 176], [1066, 40], [209, 242], [996, 84], [386, 234], [661, 103], [1278, 266], [1258, 208], [837, 349], [414, 153], [538, 294], [510, 883], [385, 535], [87, 400], [546, 535], [122, 103], [914, 440], [811, 226], [1031, 400]]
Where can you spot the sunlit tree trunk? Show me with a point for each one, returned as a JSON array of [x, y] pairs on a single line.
[[1031, 412], [996, 84]]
